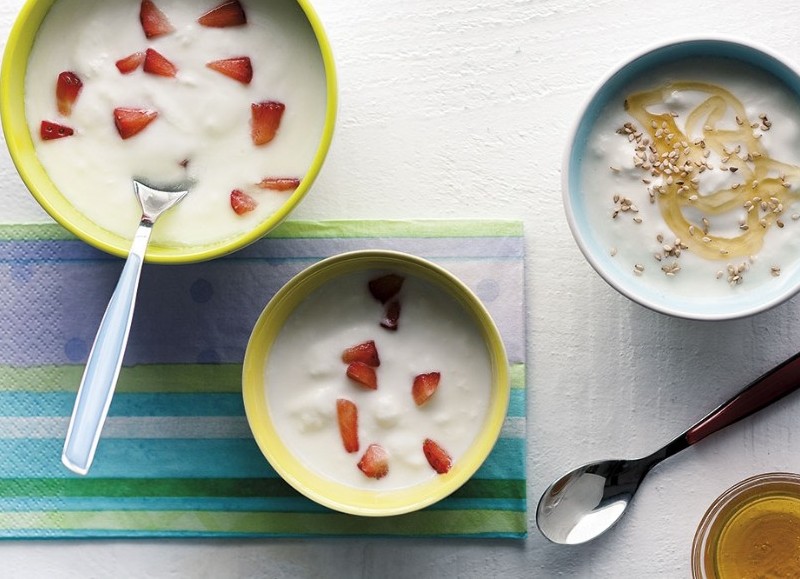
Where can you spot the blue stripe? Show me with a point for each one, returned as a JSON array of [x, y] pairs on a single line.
[[274, 249], [207, 458], [297, 504], [517, 403], [31, 404]]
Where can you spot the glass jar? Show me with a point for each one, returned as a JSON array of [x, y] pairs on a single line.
[[751, 530]]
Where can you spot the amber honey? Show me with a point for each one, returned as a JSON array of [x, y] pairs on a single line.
[[751, 531]]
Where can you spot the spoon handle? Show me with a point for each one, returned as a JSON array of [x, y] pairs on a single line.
[[772, 386], [105, 359]]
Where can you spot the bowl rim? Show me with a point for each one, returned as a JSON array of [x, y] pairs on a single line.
[[318, 487], [22, 151], [589, 252]]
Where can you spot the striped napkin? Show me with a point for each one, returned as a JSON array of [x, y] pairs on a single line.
[[176, 457]]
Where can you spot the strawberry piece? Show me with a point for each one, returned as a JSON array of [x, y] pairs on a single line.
[[375, 462], [363, 374], [241, 202], [279, 183], [385, 287], [266, 118], [226, 14], [391, 316], [156, 63], [437, 457], [49, 131], [130, 63], [239, 68], [365, 353], [131, 121], [347, 415], [154, 21], [424, 387], [68, 86]]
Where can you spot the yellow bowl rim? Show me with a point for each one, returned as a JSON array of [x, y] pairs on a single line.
[[21, 148], [323, 490]]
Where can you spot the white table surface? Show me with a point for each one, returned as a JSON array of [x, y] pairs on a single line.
[[460, 109]]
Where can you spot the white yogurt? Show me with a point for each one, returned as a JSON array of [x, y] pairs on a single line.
[[305, 375], [612, 178], [204, 116]]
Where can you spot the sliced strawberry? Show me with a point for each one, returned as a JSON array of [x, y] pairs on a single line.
[[266, 118], [437, 457], [157, 63], [241, 202], [131, 121], [424, 387], [375, 462], [365, 353], [363, 374], [154, 21], [347, 415], [130, 63], [226, 14], [68, 86], [279, 183], [391, 316], [49, 131], [239, 68], [385, 287]]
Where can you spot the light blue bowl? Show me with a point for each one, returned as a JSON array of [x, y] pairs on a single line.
[[584, 229]]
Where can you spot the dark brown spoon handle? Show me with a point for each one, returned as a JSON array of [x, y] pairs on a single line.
[[772, 386]]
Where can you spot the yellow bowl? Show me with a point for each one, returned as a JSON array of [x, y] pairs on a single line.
[[21, 146], [324, 490]]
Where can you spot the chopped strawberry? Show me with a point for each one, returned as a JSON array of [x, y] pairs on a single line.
[[385, 287], [424, 387], [363, 374], [226, 14], [49, 131], [437, 457], [154, 21], [239, 68], [375, 462], [131, 121], [279, 183], [68, 86], [365, 353], [266, 118], [156, 63], [130, 63], [391, 316], [241, 202], [347, 415]]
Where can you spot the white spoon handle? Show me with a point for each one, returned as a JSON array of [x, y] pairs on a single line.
[[105, 359]]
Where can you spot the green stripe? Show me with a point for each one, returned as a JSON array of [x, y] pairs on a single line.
[[212, 487], [151, 378], [432, 228], [33, 232], [175, 378], [420, 523], [517, 375]]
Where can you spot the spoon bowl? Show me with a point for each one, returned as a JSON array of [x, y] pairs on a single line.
[[587, 501]]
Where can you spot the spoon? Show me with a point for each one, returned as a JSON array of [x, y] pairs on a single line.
[[586, 502], [105, 359]]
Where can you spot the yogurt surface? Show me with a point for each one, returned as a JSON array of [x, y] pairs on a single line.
[[691, 177], [203, 127], [305, 376]]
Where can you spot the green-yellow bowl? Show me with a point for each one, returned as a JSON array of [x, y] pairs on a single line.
[[322, 489], [20, 145]]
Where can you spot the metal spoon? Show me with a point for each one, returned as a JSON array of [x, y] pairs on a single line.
[[105, 359], [589, 500]]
